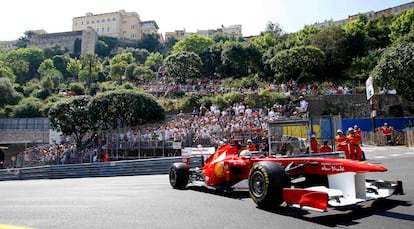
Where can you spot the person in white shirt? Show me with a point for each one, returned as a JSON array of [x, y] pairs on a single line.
[[303, 105]]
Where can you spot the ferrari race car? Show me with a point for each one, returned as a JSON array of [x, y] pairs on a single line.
[[309, 183]]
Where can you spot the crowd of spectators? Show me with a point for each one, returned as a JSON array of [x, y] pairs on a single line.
[[55, 154], [167, 86], [205, 125]]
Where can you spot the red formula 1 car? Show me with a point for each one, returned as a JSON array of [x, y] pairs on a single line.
[[309, 183]]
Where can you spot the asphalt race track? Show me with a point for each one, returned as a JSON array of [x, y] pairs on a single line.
[[150, 202]]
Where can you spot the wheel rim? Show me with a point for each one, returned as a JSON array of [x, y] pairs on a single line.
[[173, 176], [258, 184]]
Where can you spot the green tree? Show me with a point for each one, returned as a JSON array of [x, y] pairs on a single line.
[[274, 29], [183, 65], [102, 48], [55, 76], [378, 31], [402, 25], [298, 63], [220, 38], [154, 61], [304, 36], [90, 61], [24, 40], [47, 64], [240, 59], [396, 66], [144, 73], [169, 44], [193, 43], [7, 72], [151, 42], [95, 73], [28, 108], [361, 67], [71, 116], [77, 88], [7, 93], [56, 50], [61, 62], [74, 67], [356, 38], [118, 65], [129, 71], [140, 55], [25, 62], [333, 43], [264, 42], [125, 108], [31, 87], [212, 64]]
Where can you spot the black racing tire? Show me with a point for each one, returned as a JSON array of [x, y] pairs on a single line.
[[179, 175], [266, 182]]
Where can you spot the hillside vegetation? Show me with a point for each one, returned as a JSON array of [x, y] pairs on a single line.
[[33, 82]]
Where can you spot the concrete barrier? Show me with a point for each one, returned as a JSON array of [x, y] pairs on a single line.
[[101, 169]]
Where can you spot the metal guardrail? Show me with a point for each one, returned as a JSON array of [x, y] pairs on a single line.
[[100, 169]]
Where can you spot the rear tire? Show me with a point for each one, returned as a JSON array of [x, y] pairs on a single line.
[[266, 182], [179, 175]]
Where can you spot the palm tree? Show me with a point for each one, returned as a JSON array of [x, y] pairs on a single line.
[[89, 60], [24, 40]]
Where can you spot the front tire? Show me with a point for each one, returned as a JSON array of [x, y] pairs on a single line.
[[266, 182], [179, 175]]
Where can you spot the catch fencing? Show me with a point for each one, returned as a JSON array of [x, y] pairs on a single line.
[[100, 169], [405, 138]]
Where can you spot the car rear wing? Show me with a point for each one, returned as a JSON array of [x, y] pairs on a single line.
[[203, 152]]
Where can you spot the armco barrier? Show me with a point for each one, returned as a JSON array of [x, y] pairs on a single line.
[[108, 169]]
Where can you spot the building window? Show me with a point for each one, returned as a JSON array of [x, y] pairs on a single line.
[[102, 29], [87, 22], [97, 21], [107, 29], [113, 19]]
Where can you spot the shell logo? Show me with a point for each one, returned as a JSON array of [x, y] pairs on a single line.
[[219, 170]]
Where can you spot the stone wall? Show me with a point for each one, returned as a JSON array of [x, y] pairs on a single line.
[[24, 136], [357, 105], [68, 40], [65, 39], [89, 40]]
